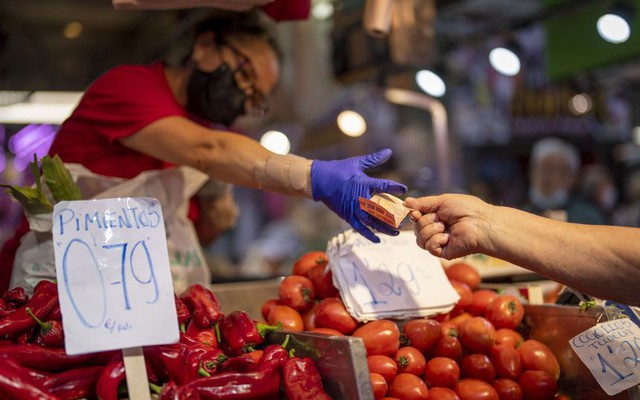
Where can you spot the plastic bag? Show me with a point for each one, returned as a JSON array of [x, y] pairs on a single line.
[[173, 187]]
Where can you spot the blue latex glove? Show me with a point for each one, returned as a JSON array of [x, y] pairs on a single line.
[[339, 183]]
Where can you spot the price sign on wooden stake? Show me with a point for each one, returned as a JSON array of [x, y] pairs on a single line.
[[114, 279]]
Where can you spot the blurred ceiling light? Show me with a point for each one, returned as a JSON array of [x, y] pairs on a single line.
[[322, 10], [351, 123], [72, 30], [276, 142], [613, 28], [40, 108], [580, 104], [505, 61], [430, 83]]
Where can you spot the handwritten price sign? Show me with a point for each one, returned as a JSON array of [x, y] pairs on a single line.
[[114, 279], [611, 351]]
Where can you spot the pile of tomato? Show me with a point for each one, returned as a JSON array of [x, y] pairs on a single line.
[[474, 352]]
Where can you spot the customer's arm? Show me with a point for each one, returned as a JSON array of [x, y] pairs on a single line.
[[601, 260]]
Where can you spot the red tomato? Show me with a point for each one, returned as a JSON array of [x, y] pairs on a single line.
[[322, 279], [507, 389], [441, 393], [466, 296], [449, 328], [408, 387], [505, 311], [477, 335], [448, 346], [441, 372], [478, 366], [287, 316], [380, 337], [481, 300], [537, 356], [475, 389], [463, 272], [423, 334], [538, 385], [332, 314], [510, 337], [327, 331], [383, 365], [379, 385], [309, 260], [297, 292], [309, 317], [267, 306], [410, 360], [441, 317], [506, 361]]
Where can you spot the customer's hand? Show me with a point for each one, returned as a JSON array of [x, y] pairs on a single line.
[[340, 183], [450, 225]]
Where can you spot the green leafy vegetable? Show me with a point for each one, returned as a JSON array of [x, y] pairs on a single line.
[[58, 179]]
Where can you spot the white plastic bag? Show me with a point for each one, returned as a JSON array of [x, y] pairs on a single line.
[[173, 187]]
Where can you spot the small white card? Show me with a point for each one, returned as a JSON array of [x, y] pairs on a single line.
[[391, 279], [611, 351], [114, 279]]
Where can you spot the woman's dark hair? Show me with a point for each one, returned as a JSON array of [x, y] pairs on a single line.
[[237, 25]]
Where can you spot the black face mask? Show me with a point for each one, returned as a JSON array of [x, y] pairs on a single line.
[[215, 96]]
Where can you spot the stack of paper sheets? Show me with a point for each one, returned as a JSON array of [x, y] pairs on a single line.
[[392, 279]]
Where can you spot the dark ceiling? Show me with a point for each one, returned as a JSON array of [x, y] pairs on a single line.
[[34, 54]]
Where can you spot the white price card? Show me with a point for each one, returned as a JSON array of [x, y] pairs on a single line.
[[114, 279], [391, 279], [611, 351]]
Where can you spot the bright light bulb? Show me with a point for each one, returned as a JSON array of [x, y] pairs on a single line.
[[613, 28], [431, 83], [504, 61], [276, 142], [580, 104], [322, 10], [351, 123]]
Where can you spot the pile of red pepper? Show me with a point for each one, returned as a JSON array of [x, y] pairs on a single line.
[[218, 356]]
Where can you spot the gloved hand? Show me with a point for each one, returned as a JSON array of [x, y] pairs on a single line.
[[339, 183]]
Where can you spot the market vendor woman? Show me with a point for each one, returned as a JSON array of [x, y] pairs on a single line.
[[136, 118]]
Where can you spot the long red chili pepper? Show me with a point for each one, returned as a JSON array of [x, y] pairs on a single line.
[[51, 332], [77, 383], [182, 311], [15, 383], [44, 299], [206, 336], [255, 385], [246, 362], [203, 305], [52, 359], [109, 380], [302, 381], [239, 333], [171, 391]]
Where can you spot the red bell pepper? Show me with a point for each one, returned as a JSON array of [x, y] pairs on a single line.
[[207, 336], [51, 358], [246, 362], [77, 383], [110, 378], [51, 332], [15, 297], [239, 333], [302, 381], [44, 299], [16, 383], [203, 305]]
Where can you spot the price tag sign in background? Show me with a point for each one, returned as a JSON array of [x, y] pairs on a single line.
[[611, 351], [114, 279]]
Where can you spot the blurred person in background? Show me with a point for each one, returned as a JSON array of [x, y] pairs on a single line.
[[136, 118], [596, 259], [597, 186], [628, 213], [553, 172]]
